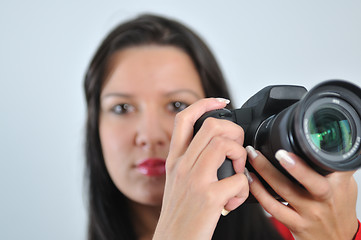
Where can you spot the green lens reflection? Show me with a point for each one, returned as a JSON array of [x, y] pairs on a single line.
[[330, 130]]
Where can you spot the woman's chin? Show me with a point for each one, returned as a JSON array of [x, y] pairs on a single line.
[[148, 194], [154, 200]]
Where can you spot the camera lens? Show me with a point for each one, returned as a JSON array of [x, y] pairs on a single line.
[[330, 129]]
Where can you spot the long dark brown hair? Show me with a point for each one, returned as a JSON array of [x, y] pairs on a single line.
[[108, 211]]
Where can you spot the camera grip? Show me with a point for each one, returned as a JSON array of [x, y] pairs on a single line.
[[226, 169]]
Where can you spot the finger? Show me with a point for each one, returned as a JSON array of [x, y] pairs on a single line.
[[184, 121], [213, 126], [236, 201], [210, 130], [215, 153], [305, 175], [240, 162], [232, 190], [282, 185], [282, 213]]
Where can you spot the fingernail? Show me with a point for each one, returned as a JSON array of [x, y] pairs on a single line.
[[282, 156], [249, 178], [223, 100], [224, 212], [251, 152]]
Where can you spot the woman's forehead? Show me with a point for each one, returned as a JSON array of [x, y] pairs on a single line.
[[151, 67]]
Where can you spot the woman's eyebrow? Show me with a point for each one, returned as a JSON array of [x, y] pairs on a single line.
[[171, 93], [184, 91], [115, 94]]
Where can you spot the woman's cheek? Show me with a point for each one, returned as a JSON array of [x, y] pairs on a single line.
[[116, 144]]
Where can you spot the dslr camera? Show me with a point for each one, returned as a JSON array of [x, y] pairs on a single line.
[[322, 126]]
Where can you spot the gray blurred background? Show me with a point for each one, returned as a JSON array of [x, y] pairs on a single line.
[[45, 47]]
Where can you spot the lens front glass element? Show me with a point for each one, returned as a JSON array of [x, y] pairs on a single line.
[[330, 130]]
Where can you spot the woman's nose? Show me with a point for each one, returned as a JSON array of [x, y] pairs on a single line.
[[151, 132]]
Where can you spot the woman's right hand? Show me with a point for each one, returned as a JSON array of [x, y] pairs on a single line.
[[193, 197]]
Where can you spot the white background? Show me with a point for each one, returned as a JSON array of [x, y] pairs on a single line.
[[45, 47]]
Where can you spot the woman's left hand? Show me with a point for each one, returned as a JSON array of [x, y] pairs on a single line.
[[324, 209]]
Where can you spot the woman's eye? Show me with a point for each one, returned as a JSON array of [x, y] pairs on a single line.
[[177, 106], [122, 108]]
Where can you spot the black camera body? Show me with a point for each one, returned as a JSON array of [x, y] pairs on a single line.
[[322, 126]]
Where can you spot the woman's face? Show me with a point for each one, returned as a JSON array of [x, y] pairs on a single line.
[[144, 89]]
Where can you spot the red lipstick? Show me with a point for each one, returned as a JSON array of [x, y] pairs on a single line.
[[152, 167]]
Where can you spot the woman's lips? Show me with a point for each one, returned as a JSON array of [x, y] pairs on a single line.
[[152, 167]]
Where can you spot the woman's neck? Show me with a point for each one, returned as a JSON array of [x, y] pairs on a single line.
[[144, 219]]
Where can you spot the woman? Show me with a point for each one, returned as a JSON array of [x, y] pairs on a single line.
[[145, 72]]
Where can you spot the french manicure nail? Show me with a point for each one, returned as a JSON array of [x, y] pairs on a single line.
[[282, 156], [223, 100], [249, 178], [252, 152], [224, 212]]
